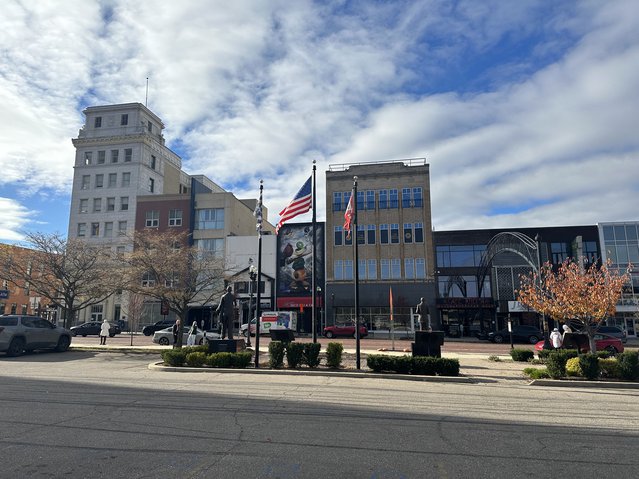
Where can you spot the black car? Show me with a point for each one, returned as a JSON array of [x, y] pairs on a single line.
[[521, 333], [92, 328], [152, 328]]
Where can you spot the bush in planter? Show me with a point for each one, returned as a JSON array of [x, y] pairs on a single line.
[[380, 362], [334, 355], [589, 364], [311, 354], [537, 373], [276, 350], [628, 365], [556, 361], [424, 365], [204, 348], [573, 368], [219, 360], [241, 360], [174, 357], [447, 367], [608, 368], [402, 364], [196, 359], [523, 355], [294, 354]]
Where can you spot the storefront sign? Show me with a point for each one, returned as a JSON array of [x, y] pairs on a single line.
[[465, 303]]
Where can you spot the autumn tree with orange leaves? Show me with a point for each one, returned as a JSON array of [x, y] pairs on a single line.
[[583, 296]]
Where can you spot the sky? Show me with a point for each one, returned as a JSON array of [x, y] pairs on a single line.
[[526, 111]]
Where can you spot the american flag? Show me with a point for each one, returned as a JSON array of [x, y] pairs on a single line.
[[300, 204], [348, 217]]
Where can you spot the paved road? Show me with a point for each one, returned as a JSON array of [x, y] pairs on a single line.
[[105, 414]]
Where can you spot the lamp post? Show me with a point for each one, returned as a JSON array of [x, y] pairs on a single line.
[[319, 294], [252, 276], [544, 324]]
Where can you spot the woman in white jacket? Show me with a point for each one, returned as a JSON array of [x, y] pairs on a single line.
[[190, 341], [104, 331]]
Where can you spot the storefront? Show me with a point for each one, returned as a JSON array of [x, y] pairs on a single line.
[[462, 317]]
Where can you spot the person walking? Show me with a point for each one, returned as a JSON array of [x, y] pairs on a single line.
[[104, 332], [555, 338], [190, 341], [225, 310], [177, 330]]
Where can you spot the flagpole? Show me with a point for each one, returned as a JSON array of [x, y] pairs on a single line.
[[258, 311], [392, 321], [356, 260], [314, 272]]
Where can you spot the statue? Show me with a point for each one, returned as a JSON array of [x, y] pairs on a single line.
[[421, 310], [225, 310]]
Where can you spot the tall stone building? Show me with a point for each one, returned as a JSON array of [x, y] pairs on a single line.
[[395, 242]]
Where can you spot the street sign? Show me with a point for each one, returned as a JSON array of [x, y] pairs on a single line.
[[4, 293]]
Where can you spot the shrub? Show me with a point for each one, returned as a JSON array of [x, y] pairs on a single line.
[[447, 367], [628, 365], [537, 373], [424, 365], [556, 361], [573, 368], [334, 355], [311, 354], [380, 362], [609, 368], [494, 358], [294, 354], [219, 360], [603, 354], [589, 364], [174, 357], [276, 351], [204, 348], [522, 355], [402, 364], [241, 360], [196, 359]]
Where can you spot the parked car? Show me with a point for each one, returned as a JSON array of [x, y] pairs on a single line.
[[614, 331], [92, 328], [603, 342], [20, 333], [164, 337], [521, 333], [344, 330], [152, 328]]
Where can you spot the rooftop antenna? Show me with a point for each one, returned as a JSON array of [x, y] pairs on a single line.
[[146, 97]]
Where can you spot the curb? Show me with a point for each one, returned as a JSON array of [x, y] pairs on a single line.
[[126, 349], [583, 384], [158, 366]]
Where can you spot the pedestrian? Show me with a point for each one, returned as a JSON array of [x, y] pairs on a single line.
[[104, 331], [555, 338], [190, 341], [225, 310], [177, 330], [567, 330]]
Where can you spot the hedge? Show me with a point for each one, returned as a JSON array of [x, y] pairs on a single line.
[[311, 354], [334, 355], [422, 365], [276, 351], [522, 355], [294, 354]]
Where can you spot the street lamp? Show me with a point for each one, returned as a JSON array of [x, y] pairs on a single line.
[[544, 323], [319, 294], [252, 275]]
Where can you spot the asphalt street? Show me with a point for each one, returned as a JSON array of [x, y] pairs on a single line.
[[105, 414]]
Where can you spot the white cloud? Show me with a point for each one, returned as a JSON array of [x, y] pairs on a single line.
[[13, 219]]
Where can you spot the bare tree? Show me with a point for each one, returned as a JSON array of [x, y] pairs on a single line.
[[135, 308], [164, 267], [70, 273]]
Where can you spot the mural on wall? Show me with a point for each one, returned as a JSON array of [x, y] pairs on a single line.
[[295, 259]]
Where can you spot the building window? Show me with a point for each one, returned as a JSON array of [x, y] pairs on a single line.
[[110, 206], [113, 180], [126, 179], [175, 217], [395, 233], [370, 234], [84, 206], [124, 119], [121, 228], [95, 229], [97, 123], [128, 155], [97, 205], [101, 157], [361, 269], [99, 181], [108, 229], [346, 198], [417, 197], [82, 229], [148, 280], [360, 201], [153, 162], [115, 156], [385, 268], [559, 252], [24, 309], [408, 232], [394, 200], [409, 268], [88, 157], [372, 269], [152, 219], [212, 245], [338, 236], [396, 269], [383, 234], [405, 197], [337, 201], [420, 268], [149, 126], [361, 234], [383, 199], [419, 233], [124, 203], [151, 185], [348, 269], [86, 181], [338, 272], [210, 219], [370, 200], [459, 255]]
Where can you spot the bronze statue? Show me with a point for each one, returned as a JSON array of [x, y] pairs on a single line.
[[225, 310]]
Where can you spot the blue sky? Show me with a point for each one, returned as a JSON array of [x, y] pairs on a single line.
[[526, 111]]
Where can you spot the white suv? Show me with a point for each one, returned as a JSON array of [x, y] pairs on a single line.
[[20, 333]]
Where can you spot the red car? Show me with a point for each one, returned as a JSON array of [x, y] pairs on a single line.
[[602, 341], [344, 330]]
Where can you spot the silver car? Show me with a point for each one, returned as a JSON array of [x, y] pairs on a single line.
[[20, 333], [165, 336]]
